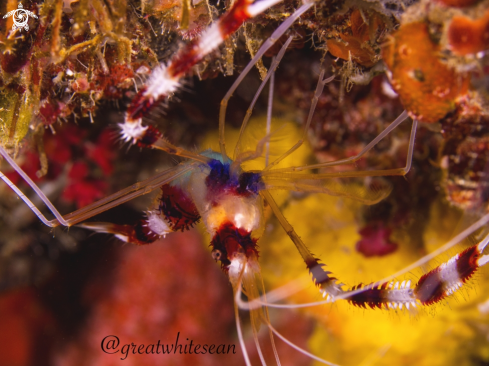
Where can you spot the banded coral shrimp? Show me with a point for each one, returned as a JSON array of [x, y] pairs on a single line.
[[166, 146]]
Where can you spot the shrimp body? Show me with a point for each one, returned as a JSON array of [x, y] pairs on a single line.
[[231, 210], [230, 206], [223, 195], [226, 199]]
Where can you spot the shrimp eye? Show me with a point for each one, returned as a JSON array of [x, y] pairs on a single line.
[[216, 254]]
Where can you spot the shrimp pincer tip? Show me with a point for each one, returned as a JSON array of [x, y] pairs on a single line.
[[482, 245], [132, 131], [483, 260], [99, 227]]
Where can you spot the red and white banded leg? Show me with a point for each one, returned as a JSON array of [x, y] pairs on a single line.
[[174, 211], [165, 79], [432, 287]]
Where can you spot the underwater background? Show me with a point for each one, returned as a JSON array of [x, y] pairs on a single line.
[[64, 86]]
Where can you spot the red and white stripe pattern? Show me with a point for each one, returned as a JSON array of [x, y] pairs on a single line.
[[431, 288], [145, 231], [175, 211], [165, 79]]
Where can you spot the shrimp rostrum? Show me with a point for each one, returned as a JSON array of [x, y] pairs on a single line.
[[215, 188]]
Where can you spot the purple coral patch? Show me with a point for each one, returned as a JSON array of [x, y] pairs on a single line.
[[375, 241]]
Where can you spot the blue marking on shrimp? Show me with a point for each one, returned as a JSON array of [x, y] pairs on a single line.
[[220, 179]]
